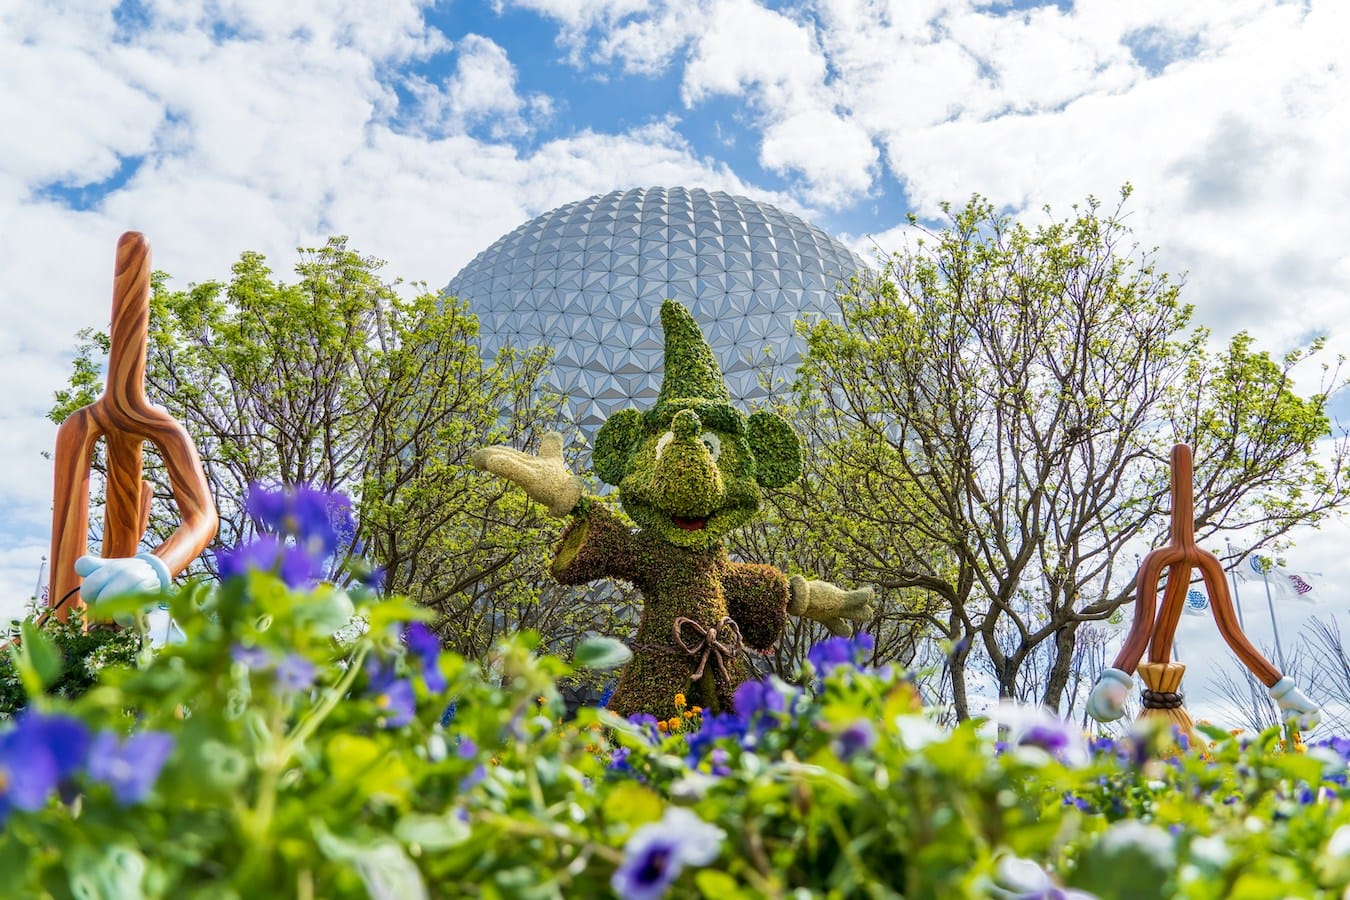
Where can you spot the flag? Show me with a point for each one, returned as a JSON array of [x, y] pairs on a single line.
[[42, 585], [1196, 603], [1284, 583], [1254, 568], [1293, 585]]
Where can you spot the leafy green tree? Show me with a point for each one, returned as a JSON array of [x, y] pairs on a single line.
[[338, 381], [991, 419]]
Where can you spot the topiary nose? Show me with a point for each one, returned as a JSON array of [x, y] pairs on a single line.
[[686, 424], [686, 481]]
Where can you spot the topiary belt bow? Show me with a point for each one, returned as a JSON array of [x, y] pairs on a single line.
[[710, 642]]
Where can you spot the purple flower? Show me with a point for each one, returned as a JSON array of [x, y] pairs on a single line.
[[267, 553], [426, 646], [251, 657], [66, 738], [840, 651], [130, 767], [647, 724], [321, 520], [713, 728], [755, 697], [618, 760], [473, 779], [295, 673], [857, 738], [29, 770], [393, 695], [657, 852]]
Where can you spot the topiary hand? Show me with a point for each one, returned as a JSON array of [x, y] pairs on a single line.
[[834, 607], [544, 478]]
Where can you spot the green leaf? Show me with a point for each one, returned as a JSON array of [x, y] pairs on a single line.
[[106, 873], [712, 883], [326, 610], [602, 653], [384, 867], [1129, 860], [632, 804], [1213, 732], [432, 832], [360, 760], [41, 655]]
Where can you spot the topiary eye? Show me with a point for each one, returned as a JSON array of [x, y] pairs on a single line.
[[713, 443], [663, 442]]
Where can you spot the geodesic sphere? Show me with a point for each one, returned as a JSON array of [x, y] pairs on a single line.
[[588, 278]]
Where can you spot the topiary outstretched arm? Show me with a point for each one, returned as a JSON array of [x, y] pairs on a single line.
[[835, 608], [545, 478]]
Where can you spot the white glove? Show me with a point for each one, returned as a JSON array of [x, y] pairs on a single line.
[[1295, 705], [1106, 703], [104, 579], [832, 606], [544, 478]]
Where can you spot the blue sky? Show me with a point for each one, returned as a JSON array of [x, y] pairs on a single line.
[[424, 130]]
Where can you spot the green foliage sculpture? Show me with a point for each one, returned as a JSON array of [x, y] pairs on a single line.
[[688, 470]]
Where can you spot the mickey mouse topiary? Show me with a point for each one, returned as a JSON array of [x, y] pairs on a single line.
[[689, 470]]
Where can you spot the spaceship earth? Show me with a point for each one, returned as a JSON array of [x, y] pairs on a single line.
[[587, 279]]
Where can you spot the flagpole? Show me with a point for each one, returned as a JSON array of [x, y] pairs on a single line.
[[1265, 576], [1237, 603]]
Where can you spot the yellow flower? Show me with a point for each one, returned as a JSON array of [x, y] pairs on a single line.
[[679, 701], [697, 710], [662, 726]]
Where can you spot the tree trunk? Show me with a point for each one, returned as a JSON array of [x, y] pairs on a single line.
[[1065, 638]]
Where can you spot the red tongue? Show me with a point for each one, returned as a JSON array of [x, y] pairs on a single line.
[[689, 524]]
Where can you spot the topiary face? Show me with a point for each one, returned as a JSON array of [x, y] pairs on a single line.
[[690, 469], [690, 484]]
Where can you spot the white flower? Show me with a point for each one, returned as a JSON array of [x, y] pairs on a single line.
[[657, 853], [1035, 726], [1338, 847]]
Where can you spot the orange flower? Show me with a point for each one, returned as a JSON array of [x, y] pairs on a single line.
[[679, 701]]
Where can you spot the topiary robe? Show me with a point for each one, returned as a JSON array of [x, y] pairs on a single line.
[[701, 585]]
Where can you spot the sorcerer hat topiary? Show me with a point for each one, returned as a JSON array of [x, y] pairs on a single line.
[[692, 372]]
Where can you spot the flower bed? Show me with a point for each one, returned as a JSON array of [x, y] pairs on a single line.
[[282, 751]]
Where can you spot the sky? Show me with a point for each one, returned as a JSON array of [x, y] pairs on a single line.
[[425, 130]]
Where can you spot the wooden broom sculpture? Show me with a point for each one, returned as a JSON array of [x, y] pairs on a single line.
[[1162, 677], [125, 419]]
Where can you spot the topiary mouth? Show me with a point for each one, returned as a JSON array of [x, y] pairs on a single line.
[[690, 524]]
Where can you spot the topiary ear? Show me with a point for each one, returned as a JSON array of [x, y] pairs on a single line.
[[613, 442], [776, 447]]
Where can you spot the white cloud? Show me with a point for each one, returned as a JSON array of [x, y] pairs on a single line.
[[580, 18], [481, 91], [835, 154]]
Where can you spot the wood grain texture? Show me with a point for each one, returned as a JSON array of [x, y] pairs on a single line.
[[1156, 634], [125, 419]]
